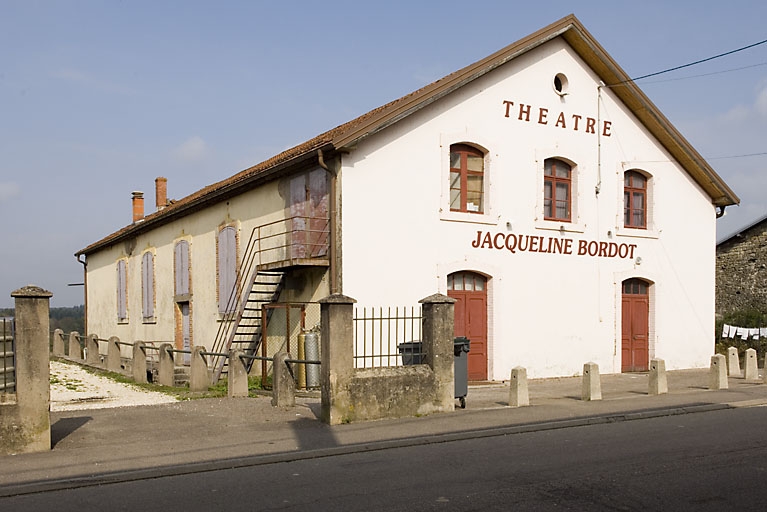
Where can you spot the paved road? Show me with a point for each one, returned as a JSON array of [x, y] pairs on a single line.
[[709, 461]]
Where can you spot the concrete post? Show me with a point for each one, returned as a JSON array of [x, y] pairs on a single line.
[[337, 357], [751, 370], [75, 350], [25, 425], [437, 344], [733, 362], [139, 362], [718, 373], [199, 378], [518, 395], [764, 377], [58, 343], [283, 382], [92, 356], [166, 367], [238, 375], [658, 382], [114, 359], [592, 387]]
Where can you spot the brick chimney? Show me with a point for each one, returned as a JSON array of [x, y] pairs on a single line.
[[138, 206], [161, 192]]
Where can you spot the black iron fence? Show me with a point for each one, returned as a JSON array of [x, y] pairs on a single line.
[[7, 356], [387, 336]]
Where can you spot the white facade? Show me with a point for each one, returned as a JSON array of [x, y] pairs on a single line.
[[554, 288]]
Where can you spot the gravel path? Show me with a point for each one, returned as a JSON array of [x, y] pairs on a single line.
[[73, 388]]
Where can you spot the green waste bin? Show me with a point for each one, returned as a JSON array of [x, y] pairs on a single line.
[[461, 353]]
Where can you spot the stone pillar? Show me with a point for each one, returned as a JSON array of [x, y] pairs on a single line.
[[592, 387], [518, 395], [25, 426], [166, 368], [114, 358], [733, 362], [92, 356], [238, 375], [199, 378], [751, 370], [283, 382], [58, 343], [139, 362], [75, 350], [718, 373], [437, 338], [337, 357], [658, 382]]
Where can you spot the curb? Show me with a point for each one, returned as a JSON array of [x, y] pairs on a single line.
[[80, 481]]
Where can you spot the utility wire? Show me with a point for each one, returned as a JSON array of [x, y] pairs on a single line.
[[690, 64], [706, 74]]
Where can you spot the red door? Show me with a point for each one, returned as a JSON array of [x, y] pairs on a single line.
[[470, 292], [635, 311]]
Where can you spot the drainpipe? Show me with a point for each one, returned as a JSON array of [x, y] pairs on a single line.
[[720, 211], [332, 246], [84, 263]]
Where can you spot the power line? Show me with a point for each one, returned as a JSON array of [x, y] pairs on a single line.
[[706, 74], [691, 63]]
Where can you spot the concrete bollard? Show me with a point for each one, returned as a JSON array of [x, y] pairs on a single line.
[[92, 356], [114, 359], [592, 388], [237, 375], [751, 371], [139, 362], [199, 378], [58, 343], [518, 395], [658, 382], [733, 362], [166, 367], [75, 350], [718, 373], [283, 382]]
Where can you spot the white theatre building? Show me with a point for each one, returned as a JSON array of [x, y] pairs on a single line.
[[539, 187]]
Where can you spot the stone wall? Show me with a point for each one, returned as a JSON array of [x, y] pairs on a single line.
[[741, 271]]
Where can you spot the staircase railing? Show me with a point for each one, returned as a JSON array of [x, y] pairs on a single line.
[[285, 240]]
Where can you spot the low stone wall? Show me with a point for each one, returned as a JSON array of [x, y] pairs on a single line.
[[396, 392]]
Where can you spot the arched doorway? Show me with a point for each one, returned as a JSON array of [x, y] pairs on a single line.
[[470, 291], [635, 313]]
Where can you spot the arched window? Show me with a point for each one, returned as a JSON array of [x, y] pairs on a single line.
[[557, 190], [634, 200], [467, 169]]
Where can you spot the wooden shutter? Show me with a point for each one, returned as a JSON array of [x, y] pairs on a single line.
[[181, 263], [122, 291], [227, 267], [147, 284]]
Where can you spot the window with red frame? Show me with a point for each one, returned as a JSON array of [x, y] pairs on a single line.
[[557, 190], [466, 179], [634, 200]]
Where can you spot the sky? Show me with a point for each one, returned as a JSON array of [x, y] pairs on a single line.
[[98, 98]]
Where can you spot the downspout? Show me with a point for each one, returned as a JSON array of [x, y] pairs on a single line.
[[84, 263], [333, 228]]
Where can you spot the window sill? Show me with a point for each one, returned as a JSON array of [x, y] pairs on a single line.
[[150, 320], [123, 321], [472, 218], [559, 226], [637, 233]]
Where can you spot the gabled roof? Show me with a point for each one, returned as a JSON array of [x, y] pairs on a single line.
[[348, 134], [740, 232]]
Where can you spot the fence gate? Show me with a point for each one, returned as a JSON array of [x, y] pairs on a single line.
[[7, 356]]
